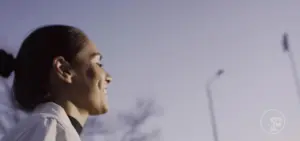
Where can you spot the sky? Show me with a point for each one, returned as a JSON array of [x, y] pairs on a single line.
[[169, 49]]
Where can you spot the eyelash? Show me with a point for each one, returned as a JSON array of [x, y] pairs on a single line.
[[100, 65]]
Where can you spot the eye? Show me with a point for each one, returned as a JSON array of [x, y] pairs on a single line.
[[97, 60], [99, 64]]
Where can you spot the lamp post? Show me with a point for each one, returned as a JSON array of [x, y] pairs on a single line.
[[286, 49], [211, 104]]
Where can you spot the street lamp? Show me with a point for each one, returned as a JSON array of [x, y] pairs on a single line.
[[210, 103], [286, 49]]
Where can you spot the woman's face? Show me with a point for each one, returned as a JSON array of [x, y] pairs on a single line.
[[89, 85]]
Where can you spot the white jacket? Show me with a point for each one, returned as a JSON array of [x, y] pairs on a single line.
[[49, 122]]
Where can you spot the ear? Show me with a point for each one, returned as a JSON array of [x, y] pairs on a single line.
[[63, 69]]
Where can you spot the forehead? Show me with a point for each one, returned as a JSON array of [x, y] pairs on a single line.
[[88, 50], [90, 47]]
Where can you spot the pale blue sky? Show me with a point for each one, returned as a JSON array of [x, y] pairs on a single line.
[[167, 49]]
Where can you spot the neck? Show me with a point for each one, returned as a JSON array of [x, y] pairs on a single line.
[[73, 111]]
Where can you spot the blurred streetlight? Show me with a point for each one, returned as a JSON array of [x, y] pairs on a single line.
[[286, 49], [211, 104]]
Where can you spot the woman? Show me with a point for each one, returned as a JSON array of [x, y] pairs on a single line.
[[59, 78]]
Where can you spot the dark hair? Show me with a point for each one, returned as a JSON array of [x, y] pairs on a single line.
[[34, 61]]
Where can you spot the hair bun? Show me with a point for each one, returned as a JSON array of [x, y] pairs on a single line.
[[7, 63]]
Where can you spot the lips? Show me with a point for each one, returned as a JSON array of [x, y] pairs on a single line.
[[105, 90]]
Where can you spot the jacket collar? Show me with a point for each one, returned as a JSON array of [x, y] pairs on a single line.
[[54, 110]]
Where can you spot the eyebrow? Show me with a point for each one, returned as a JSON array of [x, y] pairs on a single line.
[[96, 54]]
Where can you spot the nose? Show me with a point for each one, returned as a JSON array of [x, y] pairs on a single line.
[[108, 78]]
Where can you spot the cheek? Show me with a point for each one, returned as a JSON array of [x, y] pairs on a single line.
[[92, 73]]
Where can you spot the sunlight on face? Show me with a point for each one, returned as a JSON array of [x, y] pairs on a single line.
[[96, 58]]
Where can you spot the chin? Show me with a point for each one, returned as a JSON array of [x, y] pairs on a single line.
[[99, 111]]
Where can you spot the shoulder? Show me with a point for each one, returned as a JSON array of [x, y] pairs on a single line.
[[40, 127]]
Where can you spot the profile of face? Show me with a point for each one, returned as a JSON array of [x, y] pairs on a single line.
[[87, 81]]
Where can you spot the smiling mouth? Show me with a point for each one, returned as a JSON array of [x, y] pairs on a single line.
[[104, 89]]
